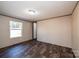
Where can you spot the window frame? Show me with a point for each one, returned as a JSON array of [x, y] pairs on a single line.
[[17, 30]]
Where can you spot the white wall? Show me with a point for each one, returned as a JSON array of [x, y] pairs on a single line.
[[76, 31], [5, 39], [55, 31]]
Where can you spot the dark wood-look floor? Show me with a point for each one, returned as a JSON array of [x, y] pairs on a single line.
[[36, 49]]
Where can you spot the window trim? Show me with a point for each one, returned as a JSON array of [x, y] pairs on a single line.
[[16, 29]]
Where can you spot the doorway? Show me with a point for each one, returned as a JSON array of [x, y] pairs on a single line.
[[34, 30]]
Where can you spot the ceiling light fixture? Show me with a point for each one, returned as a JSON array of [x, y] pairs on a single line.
[[32, 12]]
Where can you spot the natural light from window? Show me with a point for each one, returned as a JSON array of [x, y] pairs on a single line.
[[15, 29]]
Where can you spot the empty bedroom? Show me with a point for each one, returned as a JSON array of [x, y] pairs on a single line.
[[39, 29]]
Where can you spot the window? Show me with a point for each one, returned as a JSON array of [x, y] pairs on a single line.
[[15, 29]]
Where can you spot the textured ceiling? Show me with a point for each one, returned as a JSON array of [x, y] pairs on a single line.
[[45, 9]]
